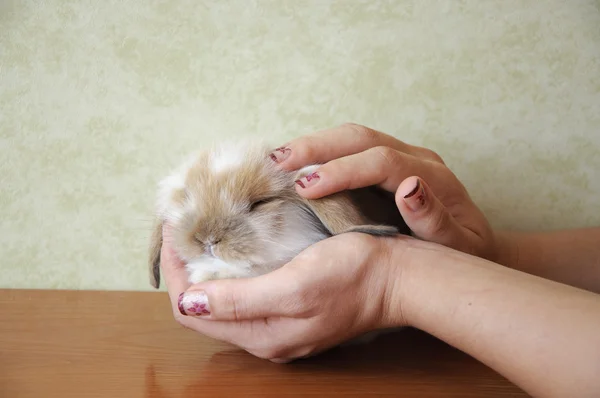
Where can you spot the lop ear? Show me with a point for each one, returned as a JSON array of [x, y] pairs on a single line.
[[368, 210], [156, 241]]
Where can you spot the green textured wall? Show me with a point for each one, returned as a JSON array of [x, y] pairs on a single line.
[[99, 99]]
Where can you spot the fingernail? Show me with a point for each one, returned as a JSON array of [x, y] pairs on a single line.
[[280, 154], [309, 180], [193, 304], [415, 199]]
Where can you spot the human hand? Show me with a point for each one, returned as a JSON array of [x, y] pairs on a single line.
[[433, 202], [333, 291]]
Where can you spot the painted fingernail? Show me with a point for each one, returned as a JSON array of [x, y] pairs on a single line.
[[414, 190], [193, 304], [415, 199], [309, 180], [280, 154]]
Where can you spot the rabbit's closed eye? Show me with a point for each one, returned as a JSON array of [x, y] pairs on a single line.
[[258, 203]]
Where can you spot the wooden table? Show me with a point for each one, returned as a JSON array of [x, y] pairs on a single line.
[[126, 344]]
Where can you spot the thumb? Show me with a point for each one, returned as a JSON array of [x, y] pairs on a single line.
[[426, 216], [263, 296]]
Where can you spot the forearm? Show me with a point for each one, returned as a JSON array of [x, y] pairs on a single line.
[[539, 334], [570, 256]]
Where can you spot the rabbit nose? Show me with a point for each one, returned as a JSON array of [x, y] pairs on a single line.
[[210, 248]]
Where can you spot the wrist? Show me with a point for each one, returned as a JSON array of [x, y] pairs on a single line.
[[421, 280], [392, 314], [402, 255]]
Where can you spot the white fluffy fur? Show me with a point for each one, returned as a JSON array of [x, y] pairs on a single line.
[[166, 187], [226, 157], [174, 181]]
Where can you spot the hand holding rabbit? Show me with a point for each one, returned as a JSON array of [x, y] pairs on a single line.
[[433, 202]]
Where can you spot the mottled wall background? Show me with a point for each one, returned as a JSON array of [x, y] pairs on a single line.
[[99, 99]]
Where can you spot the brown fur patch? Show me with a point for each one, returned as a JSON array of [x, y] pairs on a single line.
[[361, 210]]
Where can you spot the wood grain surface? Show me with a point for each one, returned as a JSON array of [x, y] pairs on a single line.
[[126, 344]]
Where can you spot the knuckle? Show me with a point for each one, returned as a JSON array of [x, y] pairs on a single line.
[[306, 147], [386, 154], [364, 133], [341, 173], [355, 127], [227, 301], [432, 155]]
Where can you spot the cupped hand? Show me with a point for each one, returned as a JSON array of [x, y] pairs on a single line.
[[333, 291], [433, 202]]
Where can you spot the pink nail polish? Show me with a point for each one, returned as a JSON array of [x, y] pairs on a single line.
[[308, 180], [193, 304], [280, 154]]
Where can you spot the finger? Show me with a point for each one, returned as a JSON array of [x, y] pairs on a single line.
[[380, 166], [265, 337], [240, 333], [173, 269], [344, 140], [427, 217], [275, 294]]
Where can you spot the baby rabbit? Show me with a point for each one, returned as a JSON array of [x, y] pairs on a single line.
[[235, 213]]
